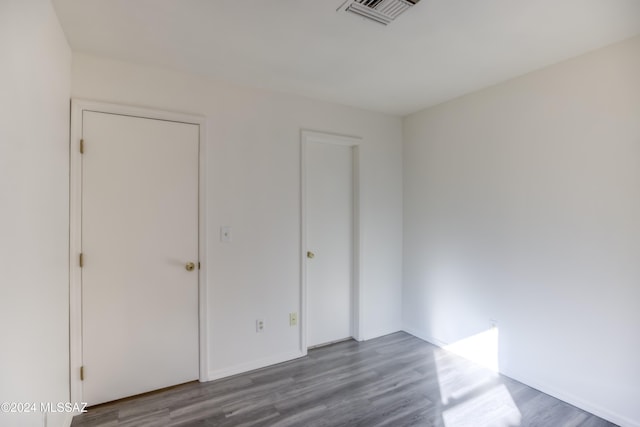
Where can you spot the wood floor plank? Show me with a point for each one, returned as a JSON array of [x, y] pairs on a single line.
[[397, 380]]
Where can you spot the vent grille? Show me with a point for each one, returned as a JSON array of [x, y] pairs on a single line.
[[380, 11]]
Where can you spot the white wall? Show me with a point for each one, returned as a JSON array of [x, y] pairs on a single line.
[[34, 153], [253, 185], [522, 204]]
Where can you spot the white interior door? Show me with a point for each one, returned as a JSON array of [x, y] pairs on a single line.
[[329, 238], [139, 231]]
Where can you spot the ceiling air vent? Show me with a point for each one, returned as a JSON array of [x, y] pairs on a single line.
[[380, 11]]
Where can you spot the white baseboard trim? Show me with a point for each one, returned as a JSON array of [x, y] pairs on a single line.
[[254, 364], [379, 333], [425, 337], [576, 401]]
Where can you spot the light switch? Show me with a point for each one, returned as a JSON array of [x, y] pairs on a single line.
[[225, 234]]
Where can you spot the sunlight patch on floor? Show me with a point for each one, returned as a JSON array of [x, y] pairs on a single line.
[[470, 387], [492, 408], [481, 348]]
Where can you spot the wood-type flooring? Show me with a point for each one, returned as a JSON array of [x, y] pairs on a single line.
[[396, 380]]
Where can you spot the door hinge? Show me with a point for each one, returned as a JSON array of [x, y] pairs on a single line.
[[82, 146], [81, 373], [81, 261]]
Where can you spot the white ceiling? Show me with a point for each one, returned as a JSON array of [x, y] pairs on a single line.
[[438, 50]]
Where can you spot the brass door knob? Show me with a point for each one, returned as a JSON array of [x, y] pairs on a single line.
[[310, 254], [190, 266]]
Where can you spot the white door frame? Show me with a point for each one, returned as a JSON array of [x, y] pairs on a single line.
[[308, 136], [75, 230]]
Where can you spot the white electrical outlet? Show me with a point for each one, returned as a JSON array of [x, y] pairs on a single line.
[[260, 325], [293, 319]]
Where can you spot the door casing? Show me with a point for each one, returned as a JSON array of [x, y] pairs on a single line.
[[75, 231], [309, 136]]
